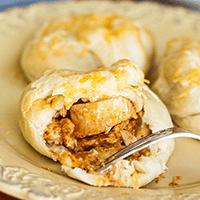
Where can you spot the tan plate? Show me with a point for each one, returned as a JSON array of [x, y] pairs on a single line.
[[21, 171]]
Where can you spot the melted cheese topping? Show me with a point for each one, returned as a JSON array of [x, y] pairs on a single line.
[[81, 27], [192, 79], [121, 77], [96, 81], [186, 53], [181, 45]]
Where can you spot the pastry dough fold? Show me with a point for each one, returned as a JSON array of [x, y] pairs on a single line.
[[178, 82], [81, 118], [87, 42]]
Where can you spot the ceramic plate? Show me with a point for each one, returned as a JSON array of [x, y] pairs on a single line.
[[24, 173]]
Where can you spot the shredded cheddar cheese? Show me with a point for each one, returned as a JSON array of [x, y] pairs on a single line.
[[82, 27], [185, 50], [191, 78], [186, 45]]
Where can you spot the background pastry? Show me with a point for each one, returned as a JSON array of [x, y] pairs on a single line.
[[87, 42], [178, 81], [74, 117]]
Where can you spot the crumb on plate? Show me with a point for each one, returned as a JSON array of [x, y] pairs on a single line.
[[47, 168], [157, 179], [175, 180]]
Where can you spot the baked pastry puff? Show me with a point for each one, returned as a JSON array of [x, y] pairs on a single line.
[[81, 118], [87, 42], [179, 80]]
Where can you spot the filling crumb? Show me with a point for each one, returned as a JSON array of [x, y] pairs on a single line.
[[157, 179], [93, 131], [47, 168], [175, 180]]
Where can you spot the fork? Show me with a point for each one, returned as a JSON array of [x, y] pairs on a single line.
[[146, 141]]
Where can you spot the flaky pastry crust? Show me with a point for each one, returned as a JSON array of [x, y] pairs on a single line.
[[122, 82], [87, 42], [179, 80]]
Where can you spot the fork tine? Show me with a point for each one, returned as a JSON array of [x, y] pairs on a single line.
[[147, 141], [142, 141], [130, 149]]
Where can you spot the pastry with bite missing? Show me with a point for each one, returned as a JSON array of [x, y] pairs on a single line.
[[179, 80], [87, 42], [81, 118]]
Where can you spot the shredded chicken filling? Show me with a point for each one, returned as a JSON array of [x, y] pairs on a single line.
[[92, 131]]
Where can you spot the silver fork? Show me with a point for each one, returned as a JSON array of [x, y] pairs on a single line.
[[144, 142]]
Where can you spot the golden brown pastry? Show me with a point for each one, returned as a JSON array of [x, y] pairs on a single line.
[[80, 118], [87, 42], [179, 80]]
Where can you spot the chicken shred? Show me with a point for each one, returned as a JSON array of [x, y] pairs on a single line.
[[92, 131]]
